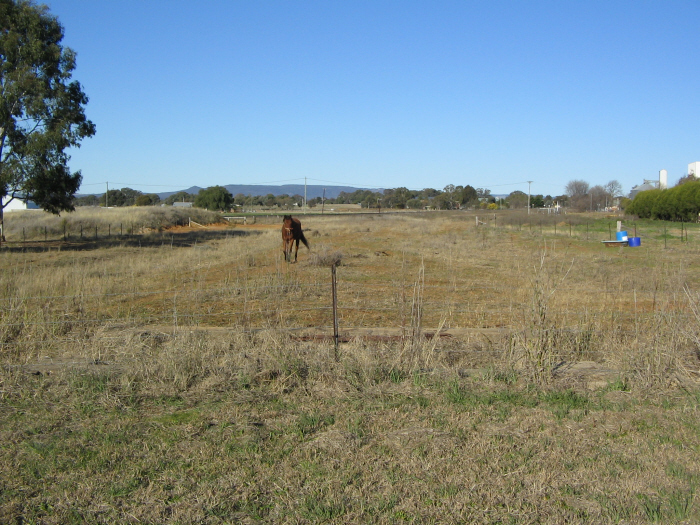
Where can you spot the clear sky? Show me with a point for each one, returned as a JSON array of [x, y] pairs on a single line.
[[385, 93]]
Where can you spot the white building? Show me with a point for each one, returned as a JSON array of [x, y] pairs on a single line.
[[18, 204], [694, 169]]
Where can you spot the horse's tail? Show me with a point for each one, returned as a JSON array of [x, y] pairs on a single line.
[[303, 239]]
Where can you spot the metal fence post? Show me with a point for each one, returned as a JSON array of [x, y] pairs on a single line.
[[335, 311]]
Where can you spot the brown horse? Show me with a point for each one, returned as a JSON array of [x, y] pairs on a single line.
[[291, 231]]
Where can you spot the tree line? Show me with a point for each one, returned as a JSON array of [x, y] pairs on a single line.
[[580, 196], [219, 198]]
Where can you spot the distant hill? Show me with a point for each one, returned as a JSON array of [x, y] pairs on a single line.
[[312, 191]]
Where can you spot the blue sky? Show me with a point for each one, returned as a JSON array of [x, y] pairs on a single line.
[[385, 93]]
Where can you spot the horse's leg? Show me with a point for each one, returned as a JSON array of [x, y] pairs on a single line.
[[296, 251], [287, 249]]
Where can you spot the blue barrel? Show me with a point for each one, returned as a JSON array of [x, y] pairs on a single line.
[[621, 236], [634, 242]]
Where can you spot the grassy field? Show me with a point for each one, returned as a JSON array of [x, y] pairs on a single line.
[[515, 372]]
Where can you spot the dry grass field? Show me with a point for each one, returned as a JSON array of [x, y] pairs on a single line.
[[515, 372]]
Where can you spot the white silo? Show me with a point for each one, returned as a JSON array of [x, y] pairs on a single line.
[[663, 179], [694, 169]]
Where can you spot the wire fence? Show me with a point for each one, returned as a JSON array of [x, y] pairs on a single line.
[[286, 304]]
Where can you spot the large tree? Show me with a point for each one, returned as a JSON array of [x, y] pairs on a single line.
[[214, 198], [614, 189], [576, 188], [577, 191], [42, 110], [599, 197], [517, 199]]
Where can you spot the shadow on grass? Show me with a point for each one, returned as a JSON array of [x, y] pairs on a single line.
[[147, 240]]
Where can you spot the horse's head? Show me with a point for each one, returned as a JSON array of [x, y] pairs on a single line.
[[286, 218]]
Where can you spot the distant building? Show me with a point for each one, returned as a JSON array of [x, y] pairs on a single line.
[[694, 169], [642, 187], [183, 204], [17, 204]]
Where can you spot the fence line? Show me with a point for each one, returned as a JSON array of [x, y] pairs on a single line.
[[535, 223], [327, 329], [251, 307], [151, 319], [261, 287]]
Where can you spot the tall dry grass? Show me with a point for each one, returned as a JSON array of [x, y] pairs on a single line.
[[172, 383], [552, 298], [133, 220]]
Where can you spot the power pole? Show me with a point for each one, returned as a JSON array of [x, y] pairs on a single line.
[[528, 196], [305, 195], [107, 197]]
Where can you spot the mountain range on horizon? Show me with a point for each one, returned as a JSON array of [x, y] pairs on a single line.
[[312, 190]]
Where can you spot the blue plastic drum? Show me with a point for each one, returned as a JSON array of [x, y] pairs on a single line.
[[634, 242]]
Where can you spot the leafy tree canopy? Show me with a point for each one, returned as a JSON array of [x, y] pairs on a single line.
[[469, 195], [517, 199], [42, 111], [87, 200], [214, 198], [123, 197], [677, 203], [687, 178], [147, 199], [180, 196], [537, 201]]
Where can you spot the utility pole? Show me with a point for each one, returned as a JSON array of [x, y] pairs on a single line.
[[305, 195], [323, 200], [528, 196], [107, 197]]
